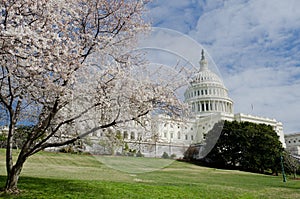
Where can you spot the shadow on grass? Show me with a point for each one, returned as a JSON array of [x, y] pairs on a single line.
[[54, 188], [168, 184]]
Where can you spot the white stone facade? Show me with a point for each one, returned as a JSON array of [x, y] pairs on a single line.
[[209, 103], [293, 143]]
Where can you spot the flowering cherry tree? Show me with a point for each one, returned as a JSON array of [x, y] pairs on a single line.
[[67, 69]]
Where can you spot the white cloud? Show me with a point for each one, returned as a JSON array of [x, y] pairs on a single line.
[[248, 33], [271, 93]]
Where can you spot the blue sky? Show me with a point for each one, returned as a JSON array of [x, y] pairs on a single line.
[[255, 45]]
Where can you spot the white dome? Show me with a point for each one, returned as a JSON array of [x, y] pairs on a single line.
[[206, 76], [207, 93]]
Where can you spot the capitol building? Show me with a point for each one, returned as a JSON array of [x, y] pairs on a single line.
[[209, 103]]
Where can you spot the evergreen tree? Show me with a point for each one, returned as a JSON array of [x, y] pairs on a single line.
[[246, 146]]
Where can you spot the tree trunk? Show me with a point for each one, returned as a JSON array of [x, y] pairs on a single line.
[[9, 159], [13, 171], [13, 177]]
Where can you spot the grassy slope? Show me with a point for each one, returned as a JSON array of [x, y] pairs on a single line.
[[50, 175]]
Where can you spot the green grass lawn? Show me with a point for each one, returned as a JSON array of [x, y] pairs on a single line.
[[51, 175]]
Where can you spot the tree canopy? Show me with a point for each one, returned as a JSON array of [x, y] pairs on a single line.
[[246, 146], [69, 68]]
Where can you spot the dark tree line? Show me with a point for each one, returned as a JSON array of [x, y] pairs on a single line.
[[245, 146]]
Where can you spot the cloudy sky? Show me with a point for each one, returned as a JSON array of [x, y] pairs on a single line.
[[255, 45]]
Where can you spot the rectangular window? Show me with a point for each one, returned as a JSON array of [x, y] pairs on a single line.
[[186, 137], [192, 137], [125, 135], [132, 135], [178, 136], [171, 135]]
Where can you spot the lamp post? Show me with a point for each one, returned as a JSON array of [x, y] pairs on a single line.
[[282, 169]]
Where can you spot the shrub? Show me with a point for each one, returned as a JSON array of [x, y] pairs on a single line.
[[165, 155], [173, 156]]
